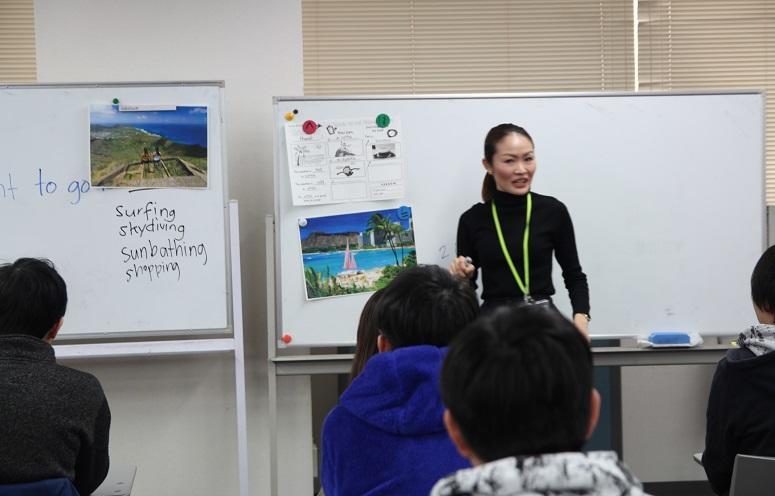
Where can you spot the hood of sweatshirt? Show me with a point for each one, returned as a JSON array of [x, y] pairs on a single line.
[[759, 339], [398, 391], [557, 474]]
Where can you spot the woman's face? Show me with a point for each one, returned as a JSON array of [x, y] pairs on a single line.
[[513, 164]]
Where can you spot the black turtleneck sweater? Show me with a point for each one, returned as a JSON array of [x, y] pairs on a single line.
[[551, 231]]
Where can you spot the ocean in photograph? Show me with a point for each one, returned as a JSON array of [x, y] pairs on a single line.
[[364, 259], [179, 133]]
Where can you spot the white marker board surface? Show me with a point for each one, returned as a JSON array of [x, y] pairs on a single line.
[[666, 193], [135, 261]]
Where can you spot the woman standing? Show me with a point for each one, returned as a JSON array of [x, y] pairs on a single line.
[[512, 235]]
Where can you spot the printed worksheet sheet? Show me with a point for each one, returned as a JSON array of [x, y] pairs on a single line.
[[344, 161]]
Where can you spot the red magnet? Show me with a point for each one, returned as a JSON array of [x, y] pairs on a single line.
[[287, 337], [310, 127]]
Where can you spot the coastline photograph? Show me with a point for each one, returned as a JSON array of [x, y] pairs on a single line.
[[356, 252], [148, 149]]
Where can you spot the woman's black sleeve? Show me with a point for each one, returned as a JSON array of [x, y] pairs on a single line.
[[465, 245], [568, 258]]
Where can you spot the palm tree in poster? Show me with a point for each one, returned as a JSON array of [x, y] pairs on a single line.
[[396, 229], [377, 223], [314, 282]]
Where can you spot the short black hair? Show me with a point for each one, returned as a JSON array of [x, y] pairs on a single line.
[[425, 304], [33, 297], [518, 382], [763, 281]]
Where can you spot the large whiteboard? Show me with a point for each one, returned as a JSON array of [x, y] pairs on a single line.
[[666, 192], [48, 210]]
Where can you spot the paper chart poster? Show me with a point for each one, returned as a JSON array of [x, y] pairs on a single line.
[[148, 149], [356, 252], [345, 161]]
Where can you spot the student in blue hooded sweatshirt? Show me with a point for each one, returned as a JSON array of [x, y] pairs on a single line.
[[387, 436]]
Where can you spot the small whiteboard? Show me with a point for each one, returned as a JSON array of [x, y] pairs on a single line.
[[143, 260], [666, 193]]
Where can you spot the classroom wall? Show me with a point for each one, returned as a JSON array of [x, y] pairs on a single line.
[[174, 417]]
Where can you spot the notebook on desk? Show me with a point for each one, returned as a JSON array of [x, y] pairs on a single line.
[[118, 482]]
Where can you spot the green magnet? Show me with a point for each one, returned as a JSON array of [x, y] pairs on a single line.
[[115, 101], [383, 120]]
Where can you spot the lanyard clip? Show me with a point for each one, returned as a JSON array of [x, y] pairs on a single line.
[[529, 299]]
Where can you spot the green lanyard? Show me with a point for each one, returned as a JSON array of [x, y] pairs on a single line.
[[525, 287]]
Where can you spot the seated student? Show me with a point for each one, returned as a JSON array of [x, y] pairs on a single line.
[[366, 337], [54, 420], [387, 436], [520, 404], [740, 415]]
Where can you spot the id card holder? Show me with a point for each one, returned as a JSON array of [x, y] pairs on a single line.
[[530, 301]]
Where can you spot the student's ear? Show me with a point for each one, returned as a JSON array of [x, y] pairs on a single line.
[[383, 344], [487, 166], [453, 429], [763, 315], [594, 412], [50, 335]]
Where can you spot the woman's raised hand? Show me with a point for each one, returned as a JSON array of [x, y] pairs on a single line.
[[462, 267]]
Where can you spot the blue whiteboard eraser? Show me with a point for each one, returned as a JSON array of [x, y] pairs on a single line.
[[669, 337]]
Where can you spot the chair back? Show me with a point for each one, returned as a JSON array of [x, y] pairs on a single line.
[[49, 487], [753, 476]]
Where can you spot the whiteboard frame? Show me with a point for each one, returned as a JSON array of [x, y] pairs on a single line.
[[128, 336], [275, 305], [488, 96], [229, 339]]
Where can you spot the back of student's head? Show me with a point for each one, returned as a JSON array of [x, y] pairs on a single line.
[[763, 281], [33, 297], [519, 382], [425, 305]]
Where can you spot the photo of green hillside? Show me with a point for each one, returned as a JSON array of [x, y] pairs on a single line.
[[154, 149]]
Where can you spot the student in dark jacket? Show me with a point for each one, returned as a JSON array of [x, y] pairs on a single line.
[[740, 416], [387, 436], [54, 420]]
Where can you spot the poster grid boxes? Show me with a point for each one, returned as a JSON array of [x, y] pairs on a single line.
[[342, 161]]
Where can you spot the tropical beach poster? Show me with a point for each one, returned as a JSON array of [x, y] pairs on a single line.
[[148, 148], [356, 252]]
